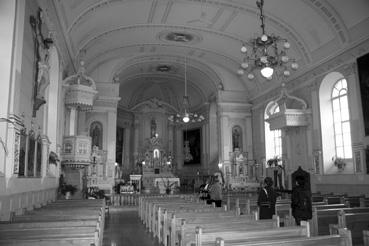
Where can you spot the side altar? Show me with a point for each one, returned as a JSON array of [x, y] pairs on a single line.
[[241, 173]]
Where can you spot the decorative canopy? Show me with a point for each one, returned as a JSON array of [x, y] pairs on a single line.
[[287, 117], [81, 90]]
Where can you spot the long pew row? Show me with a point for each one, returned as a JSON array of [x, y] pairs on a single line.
[[328, 211], [64, 222], [184, 220]]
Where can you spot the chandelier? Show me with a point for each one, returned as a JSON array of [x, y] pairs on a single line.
[[186, 116], [267, 53]]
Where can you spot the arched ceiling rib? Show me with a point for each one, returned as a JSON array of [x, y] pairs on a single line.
[[113, 33]]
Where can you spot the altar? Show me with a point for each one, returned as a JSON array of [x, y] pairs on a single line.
[[241, 173], [165, 184]]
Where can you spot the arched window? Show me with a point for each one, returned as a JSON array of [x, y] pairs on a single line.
[[273, 138], [341, 120], [335, 122]]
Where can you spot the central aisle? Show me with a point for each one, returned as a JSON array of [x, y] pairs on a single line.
[[123, 227]]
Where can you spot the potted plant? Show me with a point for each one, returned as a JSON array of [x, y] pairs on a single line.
[[339, 163], [274, 162], [169, 187], [68, 190]]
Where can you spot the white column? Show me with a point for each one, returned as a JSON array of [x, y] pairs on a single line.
[[179, 148], [170, 137], [126, 147], [73, 121], [204, 158], [225, 135], [9, 43], [248, 138], [111, 141], [45, 155], [135, 142]]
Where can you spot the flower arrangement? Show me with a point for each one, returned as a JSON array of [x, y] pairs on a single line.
[[339, 163], [168, 185]]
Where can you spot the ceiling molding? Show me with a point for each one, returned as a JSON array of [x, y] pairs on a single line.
[[327, 12], [152, 11]]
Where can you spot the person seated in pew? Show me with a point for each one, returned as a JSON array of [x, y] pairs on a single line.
[[215, 192], [301, 204], [267, 199]]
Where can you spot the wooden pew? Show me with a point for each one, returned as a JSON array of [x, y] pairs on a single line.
[[182, 229], [165, 216], [206, 236], [364, 202], [355, 222], [322, 218], [366, 237], [61, 223], [342, 239]]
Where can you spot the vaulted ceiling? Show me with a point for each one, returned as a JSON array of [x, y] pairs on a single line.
[[144, 44]]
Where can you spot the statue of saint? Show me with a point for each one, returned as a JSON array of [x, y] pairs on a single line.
[[153, 128]]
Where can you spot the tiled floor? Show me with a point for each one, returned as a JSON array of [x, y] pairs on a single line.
[[123, 227]]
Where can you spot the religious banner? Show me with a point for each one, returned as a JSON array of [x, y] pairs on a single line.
[[192, 146]]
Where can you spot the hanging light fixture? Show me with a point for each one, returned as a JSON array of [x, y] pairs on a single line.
[[186, 116], [268, 53]]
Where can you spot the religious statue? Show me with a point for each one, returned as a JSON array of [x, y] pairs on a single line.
[[153, 128], [187, 152], [235, 138], [42, 46]]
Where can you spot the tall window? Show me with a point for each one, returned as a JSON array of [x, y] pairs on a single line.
[[341, 120], [273, 138]]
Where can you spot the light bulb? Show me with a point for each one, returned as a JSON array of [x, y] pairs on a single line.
[[286, 45], [244, 65], [264, 38], [264, 59], [267, 72], [186, 118], [284, 59], [243, 49], [294, 66], [286, 73]]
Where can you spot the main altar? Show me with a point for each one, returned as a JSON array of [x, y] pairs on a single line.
[[157, 167]]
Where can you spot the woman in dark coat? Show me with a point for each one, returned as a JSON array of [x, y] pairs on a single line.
[[301, 203], [267, 199]]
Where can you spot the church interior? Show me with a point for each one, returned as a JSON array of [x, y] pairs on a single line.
[[153, 97]]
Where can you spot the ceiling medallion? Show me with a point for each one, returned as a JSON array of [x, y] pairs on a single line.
[[179, 37]]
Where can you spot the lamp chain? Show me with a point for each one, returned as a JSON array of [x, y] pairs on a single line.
[[185, 75], [262, 18]]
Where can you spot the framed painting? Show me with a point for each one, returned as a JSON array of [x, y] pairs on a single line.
[[192, 146]]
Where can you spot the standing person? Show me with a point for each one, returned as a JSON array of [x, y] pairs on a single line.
[[215, 192], [267, 199], [301, 201]]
